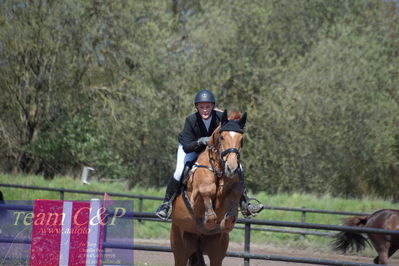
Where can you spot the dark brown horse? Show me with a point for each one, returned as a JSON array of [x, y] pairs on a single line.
[[385, 245], [205, 212]]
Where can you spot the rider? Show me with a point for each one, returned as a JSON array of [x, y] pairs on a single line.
[[197, 130]]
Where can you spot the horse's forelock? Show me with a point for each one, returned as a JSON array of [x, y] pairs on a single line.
[[234, 115]]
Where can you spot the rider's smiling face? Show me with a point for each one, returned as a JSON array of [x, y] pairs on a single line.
[[205, 109]]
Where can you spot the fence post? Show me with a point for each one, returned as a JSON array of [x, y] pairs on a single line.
[[140, 206], [61, 194], [303, 219], [247, 242]]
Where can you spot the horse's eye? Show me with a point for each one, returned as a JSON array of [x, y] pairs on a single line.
[[221, 138]]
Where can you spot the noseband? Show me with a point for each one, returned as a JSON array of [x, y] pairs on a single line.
[[228, 151]]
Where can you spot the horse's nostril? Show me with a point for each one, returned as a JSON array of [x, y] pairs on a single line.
[[230, 170]]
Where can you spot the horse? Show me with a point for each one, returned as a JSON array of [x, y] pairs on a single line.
[[206, 210], [385, 245]]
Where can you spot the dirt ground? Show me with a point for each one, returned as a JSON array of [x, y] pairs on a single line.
[[165, 258]]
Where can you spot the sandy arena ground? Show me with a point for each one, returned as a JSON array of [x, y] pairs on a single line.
[[166, 258]]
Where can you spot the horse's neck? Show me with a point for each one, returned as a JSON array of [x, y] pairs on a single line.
[[209, 159]]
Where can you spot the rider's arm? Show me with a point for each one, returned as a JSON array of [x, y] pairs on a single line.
[[188, 138]]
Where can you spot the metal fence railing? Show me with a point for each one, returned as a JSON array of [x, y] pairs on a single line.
[[141, 198], [246, 254]]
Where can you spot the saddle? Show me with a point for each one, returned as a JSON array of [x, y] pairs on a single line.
[[187, 167]]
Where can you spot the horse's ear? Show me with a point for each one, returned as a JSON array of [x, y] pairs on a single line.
[[224, 118], [242, 120]]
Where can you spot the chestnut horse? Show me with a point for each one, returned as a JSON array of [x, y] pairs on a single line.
[[205, 212], [385, 245]]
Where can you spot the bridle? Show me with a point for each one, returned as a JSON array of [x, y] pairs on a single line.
[[227, 153], [220, 156]]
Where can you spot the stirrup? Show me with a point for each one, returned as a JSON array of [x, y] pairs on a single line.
[[251, 209], [164, 211]]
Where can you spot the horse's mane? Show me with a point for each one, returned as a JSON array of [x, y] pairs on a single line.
[[234, 115]]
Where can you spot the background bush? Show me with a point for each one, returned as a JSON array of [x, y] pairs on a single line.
[[108, 84]]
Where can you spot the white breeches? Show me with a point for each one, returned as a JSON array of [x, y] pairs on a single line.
[[182, 158]]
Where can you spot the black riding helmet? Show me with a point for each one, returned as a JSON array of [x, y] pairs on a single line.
[[204, 96]]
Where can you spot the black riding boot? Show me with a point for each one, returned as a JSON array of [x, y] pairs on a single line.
[[171, 192], [248, 208]]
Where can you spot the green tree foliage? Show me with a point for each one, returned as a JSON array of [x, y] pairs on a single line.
[[50, 56], [108, 84]]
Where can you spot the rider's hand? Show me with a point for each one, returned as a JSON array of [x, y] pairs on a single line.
[[203, 141]]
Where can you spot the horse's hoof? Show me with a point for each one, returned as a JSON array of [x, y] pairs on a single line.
[[229, 222], [210, 221]]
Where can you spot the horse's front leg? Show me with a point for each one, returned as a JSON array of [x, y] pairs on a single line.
[[229, 219], [230, 205], [210, 218]]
